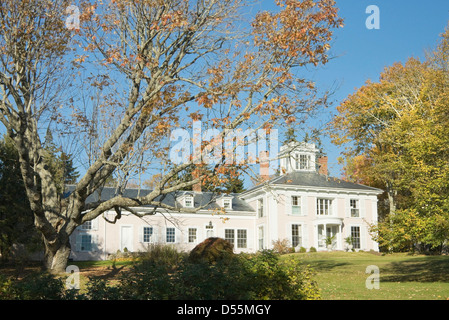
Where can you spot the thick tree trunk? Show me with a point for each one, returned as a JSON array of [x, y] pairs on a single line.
[[57, 255]]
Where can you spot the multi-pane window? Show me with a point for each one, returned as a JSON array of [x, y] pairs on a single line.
[[87, 225], [192, 235], [227, 203], [355, 235], [209, 230], [296, 205], [261, 238], [170, 236], [86, 242], [354, 205], [260, 208], [147, 234], [302, 161], [323, 207], [241, 238], [296, 235], [230, 236], [241, 241], [188, 201]]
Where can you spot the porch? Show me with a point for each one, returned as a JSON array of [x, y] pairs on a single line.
[[328, 234]]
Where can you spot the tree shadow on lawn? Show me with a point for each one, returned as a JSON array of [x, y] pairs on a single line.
[[425, 269], [325, 265]]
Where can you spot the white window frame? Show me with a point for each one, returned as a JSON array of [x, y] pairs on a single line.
[[302, 161], [209, 230], [90, 243], [227, 203], [229, 235], [260, 208], [239, 239], [354, 209], [150, 235], [167, 234], [189, 239], [87, 225], [299, 236], [189, 199], [356, 245], [321, 207], [297, 205], [261, 237], [234, 237]]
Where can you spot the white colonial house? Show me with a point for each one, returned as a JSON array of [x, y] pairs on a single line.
[[302, 204]]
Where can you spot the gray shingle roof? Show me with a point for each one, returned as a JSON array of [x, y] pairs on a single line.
[[200, 199], [314, 179]]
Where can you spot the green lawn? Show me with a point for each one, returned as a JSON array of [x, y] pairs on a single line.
[[341, 275]]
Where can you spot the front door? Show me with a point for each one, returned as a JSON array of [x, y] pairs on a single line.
[[126, 238]]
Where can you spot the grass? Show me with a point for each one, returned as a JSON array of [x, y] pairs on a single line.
[[342, 275]]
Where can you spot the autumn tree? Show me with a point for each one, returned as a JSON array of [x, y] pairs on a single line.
[[396, 136], [152, 64]]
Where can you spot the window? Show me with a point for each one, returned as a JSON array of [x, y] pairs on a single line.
[[296, 205], [296, 235], [147, 234], [86, 225], [209, 230], [230, 236], [227, 203], [241, 237], [354, 205], [192, 235], [355, 235], [170, 236], [323, 207], [188, 202], [261, 238], [260, 208], [302, 162], [86, 242]]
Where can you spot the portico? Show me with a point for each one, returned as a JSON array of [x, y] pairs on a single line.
[[328, 228]]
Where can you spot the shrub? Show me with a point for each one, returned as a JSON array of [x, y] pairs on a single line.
[[312, 249], [36, 286], [212, 250], [166, 274], [281, 280], [225, 279], [162, 255], [6, 288], [282, 246]]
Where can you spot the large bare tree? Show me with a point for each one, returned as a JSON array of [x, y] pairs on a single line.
[[152, 64]]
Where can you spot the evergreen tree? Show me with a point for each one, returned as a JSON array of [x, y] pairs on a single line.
[[16, 217], [59, 162]]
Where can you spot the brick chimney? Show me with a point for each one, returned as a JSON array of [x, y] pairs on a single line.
[[197, 186], [322, 165], [264, 163]]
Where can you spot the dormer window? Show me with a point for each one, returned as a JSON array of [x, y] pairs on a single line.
[[227, 203], [188, 201]]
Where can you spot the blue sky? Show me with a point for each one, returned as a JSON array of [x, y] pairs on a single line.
[[407, 28]]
